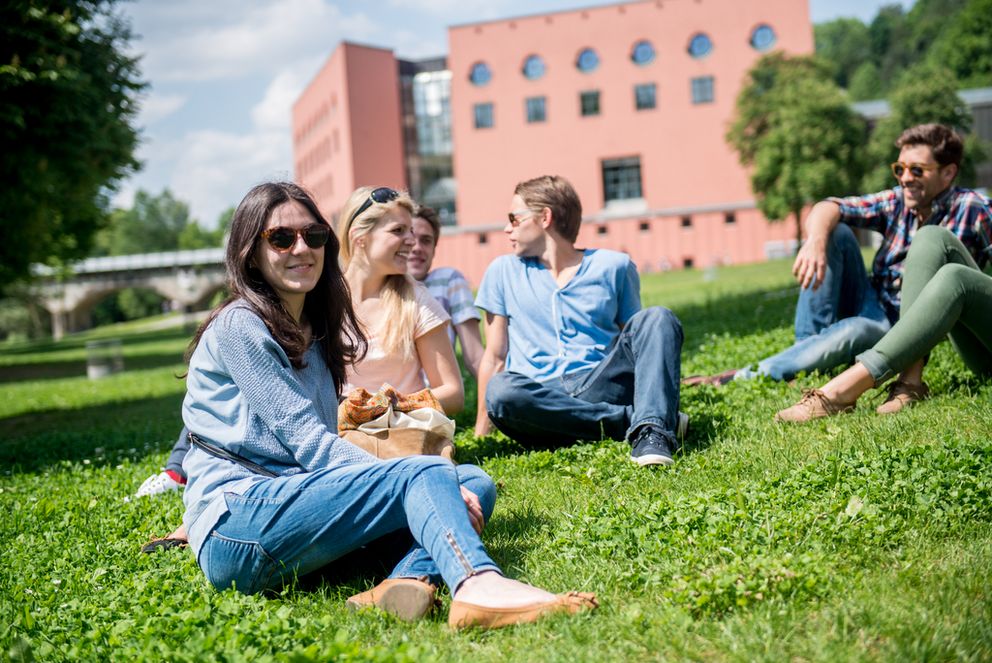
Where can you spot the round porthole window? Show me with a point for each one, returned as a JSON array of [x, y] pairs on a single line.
[[643, 53], [700, 45], [480, 74], [533, 67], [588, 60], [763, 37]]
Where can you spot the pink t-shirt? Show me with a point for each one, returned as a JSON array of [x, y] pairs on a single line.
[[406, 375]]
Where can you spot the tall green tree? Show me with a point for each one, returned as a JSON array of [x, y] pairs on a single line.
[[68, 93], [797, 132], [844, 44], [153, 223], [924, 93], [965, 45]]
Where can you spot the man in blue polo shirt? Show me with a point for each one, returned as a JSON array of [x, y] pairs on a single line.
[[581, 359]]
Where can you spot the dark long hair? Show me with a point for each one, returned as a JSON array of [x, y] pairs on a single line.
[[327, 307]]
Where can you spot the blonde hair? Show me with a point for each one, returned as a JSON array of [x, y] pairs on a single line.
[[399, 321]]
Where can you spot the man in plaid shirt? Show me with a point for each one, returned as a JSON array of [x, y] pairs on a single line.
[[842, 311]]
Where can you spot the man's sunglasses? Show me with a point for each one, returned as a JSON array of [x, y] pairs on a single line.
[[382, 195], [915, 169], [515, 219], [283, 239]]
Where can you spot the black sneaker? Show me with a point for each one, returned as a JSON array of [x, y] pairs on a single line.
[[652, 447]]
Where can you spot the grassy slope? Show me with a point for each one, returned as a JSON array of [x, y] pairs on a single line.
[[856, 538]]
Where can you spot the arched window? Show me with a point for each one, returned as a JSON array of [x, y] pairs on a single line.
[[480, 73], [643, 53], [533, 67], [587, 61], [700, 45]]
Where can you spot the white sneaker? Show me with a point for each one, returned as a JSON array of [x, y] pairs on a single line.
[[157, 484]]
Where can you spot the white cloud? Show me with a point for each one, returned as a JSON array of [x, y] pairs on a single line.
[[155, 107], [217, 168], [275, 109], [253, 40]]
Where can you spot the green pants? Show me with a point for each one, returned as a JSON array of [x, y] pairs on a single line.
[[943, 293]]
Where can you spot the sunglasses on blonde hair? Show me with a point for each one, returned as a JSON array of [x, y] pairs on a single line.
[[382, 195]]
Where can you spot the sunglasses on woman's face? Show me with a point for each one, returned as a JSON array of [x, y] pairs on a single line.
[[915, 169], [382, 195], [283, 239]]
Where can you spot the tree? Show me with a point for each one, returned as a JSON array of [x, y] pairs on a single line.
[[865, 83], [924, 93], [152, 224], [796, 130], [965, 45], [67, 103], [845, 45]]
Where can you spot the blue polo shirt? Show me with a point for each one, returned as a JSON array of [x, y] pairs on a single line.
[[559, 331]]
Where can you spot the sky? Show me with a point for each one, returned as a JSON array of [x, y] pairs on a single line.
[[222, 77]]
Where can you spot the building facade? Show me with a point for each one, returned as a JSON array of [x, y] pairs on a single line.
[[631, 102]]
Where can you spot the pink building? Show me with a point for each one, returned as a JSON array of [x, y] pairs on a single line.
[[630, 102]]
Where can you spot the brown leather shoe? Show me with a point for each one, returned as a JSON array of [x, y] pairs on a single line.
[[715, 380], [468, 615], [813, 405], [408, 599], [903, 395]]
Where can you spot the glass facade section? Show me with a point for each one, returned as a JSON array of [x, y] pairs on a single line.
[[621, 179], [483, 115], [536, 111], [643, 53], [589, 102], [645, 96], [533, 67], [702, 90], [432, 110], [587, 61], [700, 45]]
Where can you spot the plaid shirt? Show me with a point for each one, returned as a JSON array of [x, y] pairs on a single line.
[[452, 290], [962, 211]]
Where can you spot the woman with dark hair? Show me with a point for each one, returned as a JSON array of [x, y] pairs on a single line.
[[273, 493]]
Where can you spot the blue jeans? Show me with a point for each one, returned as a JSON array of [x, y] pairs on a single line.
[[637, 383], [834, 322], [286, 527]]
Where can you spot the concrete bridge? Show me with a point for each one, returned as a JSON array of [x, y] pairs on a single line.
[[188, 279]]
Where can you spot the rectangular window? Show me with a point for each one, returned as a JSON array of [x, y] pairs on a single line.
[[535, 109], [621, 179], [589, 102], [702, 90], [644, 226], [645, 96], [687, 222], [484, 115], [729, 218]]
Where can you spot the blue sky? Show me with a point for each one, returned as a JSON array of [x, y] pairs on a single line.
[[223, 75]]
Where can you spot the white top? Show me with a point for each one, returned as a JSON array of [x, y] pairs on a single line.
[[406, 375]]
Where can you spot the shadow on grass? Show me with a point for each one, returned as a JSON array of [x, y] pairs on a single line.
[[74, 368], [739, 314], [102, 434], [366, 566]]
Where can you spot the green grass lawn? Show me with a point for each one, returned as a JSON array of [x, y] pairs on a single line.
[[857, 538]]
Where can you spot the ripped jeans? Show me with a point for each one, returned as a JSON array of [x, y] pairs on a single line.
[[286, 527]]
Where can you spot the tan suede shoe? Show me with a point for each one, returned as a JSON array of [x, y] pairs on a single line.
[[813, 405], [408, 599], [468, 615], [903, 395]]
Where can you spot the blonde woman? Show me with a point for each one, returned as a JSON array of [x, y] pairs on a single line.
[[407, 328]]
